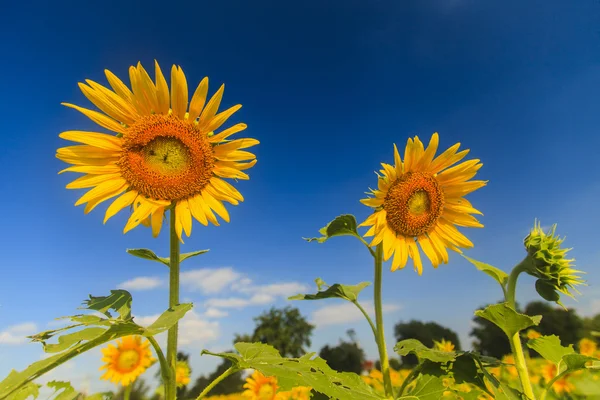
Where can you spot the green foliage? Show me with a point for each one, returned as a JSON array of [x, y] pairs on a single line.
[[422, 352], [93, 331], [428, 387], [343, 225], [231, 384], [424, 332], [285, 329], [147, 254], [508, 319], [550, 348], [307, 370], [139, 391], [500, 276], [346, 292], [489, 339]]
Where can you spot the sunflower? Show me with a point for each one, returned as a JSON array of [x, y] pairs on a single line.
[[126, 361], [164, 154], [587, 347], [444, 345], [260, 387], [182, 373], [420, 201]]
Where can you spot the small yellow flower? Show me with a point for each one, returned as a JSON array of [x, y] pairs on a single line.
[[587, 347], [533, 334], [444, 345], [420, 201], [563, 385], [511, 369], [182, 373], [260, 387], [548, 371], [126, 361]]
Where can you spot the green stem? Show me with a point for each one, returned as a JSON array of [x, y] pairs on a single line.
[[549, 385], [127, 393], [411, 377], [164, 366], [515, 340], [214, 383], [171, 388], [380, 338], [362, 310]]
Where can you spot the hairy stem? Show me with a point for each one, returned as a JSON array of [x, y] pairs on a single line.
[[383, 356], [171, 388], [214, 383]]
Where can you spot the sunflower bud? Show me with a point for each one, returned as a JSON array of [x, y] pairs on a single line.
[[548, 263]]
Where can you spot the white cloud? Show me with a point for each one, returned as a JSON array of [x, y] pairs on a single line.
[[275, 289], [141, 283], [345, 313], [145, 321], [231, 302], [193, 329], [209, 280], [215, 313], [16, 334]]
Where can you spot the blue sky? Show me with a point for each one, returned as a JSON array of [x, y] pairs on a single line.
[[327, 87]]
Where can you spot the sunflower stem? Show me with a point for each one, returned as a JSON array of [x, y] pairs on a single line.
[[127, 393], [515, 341], [380, 338], [214, 383], [170, 387], [549, 385], [164, 366]]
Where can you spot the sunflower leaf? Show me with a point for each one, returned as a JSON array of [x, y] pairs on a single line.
[[500, 276], [308, 370], [423, 352], [66, 341], [147, 254], [464, 370], [340, 226], [574, 362], [347, 292], [29, 390], [168, 319], [185, 256], [67, 392], [429, 387], [550, 348], [508, 319], [119, 300]]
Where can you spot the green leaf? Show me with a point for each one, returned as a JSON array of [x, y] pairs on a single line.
[[574, 362], [119, 300], [508, 319], [340, 226], [168, 319], [67, 392], [307, 370], [147, 254], [29, 390], [347, 292], [428, 387], [550, 348], [66, 341], [407, 346], [501, 390], [500, 276], [464, 370], [185, 256]]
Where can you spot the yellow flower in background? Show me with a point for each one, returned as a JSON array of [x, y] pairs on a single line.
[[532, 334], [182, 373], [549, 371], [563, 385], [444, 345], [421, 201], [511, 369], [126, 361], [587, 347], [163, 154], [297, 393], [260, 387]]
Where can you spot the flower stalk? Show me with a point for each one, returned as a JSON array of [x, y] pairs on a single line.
[[171, 386], [383, 356]]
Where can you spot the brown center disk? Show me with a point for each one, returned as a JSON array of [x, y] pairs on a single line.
[[413, 204], [165, 158]]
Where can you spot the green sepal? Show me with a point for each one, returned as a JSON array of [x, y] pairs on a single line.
[[347, 292], [341, 226], [507, 319], [308, 370], [547, 291]]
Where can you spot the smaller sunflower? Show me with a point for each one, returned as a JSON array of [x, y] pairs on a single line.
[[587, 347], [444, 345], [260, 387], [126, 361], [182, 373]]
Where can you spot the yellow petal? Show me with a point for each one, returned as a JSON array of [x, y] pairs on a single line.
[[88, 181], [139, 214], [227, 132], [182, 211], [100, 140], [138, 92], [220, 118], [120, 203], [148, 87], [211, 108], [162, 91], [179, 92], [400, 254], [121, 89], [85, 151], [197, 210], [397, 162], [156, 220], [235, 145], [463, 188], [430, 151], [429, 250], [232, 173], [461, 219], [105, 104], [413, 251], [99, 118], [207, 211], [102, 189], [226, 188], [105, 196], [93, 169], [216, 206], [198, 100], [408, 155]]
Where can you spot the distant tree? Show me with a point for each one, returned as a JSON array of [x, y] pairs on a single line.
[[591, 324], [426, 333], [565, 324], [139, 391], [232, 384], [285, 329], [346, 356]]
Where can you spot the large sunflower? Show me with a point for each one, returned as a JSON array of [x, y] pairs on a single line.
[[420, 201], [126, 361], [260, 387], [163, 154]]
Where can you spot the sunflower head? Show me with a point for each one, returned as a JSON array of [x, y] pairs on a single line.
[[587, 347], [419, 201], [444, 345], [182, 373], [548, 263], [532, 334], [260, 387], [127, 360], [161, 154]]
